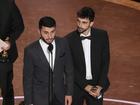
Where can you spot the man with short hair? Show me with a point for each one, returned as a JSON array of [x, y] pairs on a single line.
[[90, 52], [48, 59]]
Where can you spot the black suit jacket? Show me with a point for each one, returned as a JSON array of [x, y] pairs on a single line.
[[36, 73], [99, 58], [11, 25]]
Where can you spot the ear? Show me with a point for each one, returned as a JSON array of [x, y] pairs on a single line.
[[91, 23]]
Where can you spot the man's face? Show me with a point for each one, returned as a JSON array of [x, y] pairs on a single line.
[[48, 33], [83, 24]]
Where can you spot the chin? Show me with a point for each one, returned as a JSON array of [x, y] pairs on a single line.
[[80, 30], [49, 41]]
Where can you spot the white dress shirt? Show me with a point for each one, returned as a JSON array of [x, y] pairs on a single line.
[[86, 43], [47, 53]]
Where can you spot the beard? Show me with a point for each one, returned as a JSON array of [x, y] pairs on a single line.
[[48, 41], [81, 30]]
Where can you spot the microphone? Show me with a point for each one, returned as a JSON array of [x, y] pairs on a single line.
[[50, 47]]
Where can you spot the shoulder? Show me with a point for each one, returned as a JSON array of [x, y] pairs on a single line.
[[71, 34], [98, 30], [31, 45], [101, 33], [61, 40]]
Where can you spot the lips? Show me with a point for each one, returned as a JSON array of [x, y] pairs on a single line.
[[80, 29]]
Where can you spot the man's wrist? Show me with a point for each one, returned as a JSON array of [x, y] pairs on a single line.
[[99, 87]]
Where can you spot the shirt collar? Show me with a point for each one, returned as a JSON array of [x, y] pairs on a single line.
[[87, 34], [45, 44]]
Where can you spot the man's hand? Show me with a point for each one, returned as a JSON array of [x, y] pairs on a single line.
[[99, 88], [4, 45], [5, 48], [68, 100], [90, 89], [8, 46], [96, 91], [93, 90]]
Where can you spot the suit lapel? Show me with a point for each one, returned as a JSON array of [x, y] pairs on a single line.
[[57, 51], [79, 48], [93, 48], [41, 54]]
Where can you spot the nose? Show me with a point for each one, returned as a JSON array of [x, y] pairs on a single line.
[[50, 36], [79, 24]]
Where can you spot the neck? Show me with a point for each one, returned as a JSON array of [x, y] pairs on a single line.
[[87, 31]]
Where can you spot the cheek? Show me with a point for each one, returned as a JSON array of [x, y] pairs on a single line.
[[85, 26], [52, 35], [78, 24], [44, 36]]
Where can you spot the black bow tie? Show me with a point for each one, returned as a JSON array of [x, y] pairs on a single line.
[[85, 37]]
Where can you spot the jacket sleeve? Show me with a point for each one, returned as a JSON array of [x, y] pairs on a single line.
[[103, 80], [79, 78], [68, 70], [17, 25], [27, 77]]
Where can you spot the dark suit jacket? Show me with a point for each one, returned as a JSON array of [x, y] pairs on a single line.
[[11, 25], [36, 73], [99, 59]]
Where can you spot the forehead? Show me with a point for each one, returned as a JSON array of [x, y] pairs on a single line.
[[49, 29], [83, 19]]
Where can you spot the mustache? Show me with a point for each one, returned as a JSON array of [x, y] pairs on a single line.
[[45, 40], [81, 30]]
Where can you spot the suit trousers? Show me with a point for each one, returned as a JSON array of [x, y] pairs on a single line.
[[56, 101], [81, 95], [6, 86]]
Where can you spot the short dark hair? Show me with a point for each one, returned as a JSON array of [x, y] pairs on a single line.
[[86, 12], [47, 21]]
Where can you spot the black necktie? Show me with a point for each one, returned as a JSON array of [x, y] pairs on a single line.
[[85, 37]]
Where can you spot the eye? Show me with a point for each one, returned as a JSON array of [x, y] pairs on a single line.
[[84, 22], [45, 32], [53, 31]]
